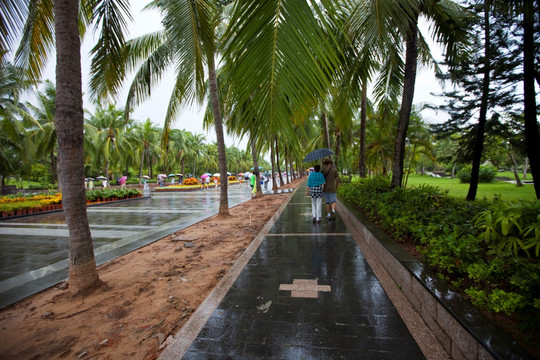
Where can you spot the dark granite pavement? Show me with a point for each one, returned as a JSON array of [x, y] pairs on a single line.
[[307, 292]]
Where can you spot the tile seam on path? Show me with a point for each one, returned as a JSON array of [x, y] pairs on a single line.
[[180, 343]]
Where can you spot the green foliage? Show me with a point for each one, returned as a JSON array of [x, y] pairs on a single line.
[[486, 174], [512, 227], [496, 301], [491, 245]]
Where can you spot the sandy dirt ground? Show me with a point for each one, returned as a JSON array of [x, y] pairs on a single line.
[[148, 294]]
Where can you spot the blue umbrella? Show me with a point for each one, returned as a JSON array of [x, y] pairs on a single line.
[[318, 154]]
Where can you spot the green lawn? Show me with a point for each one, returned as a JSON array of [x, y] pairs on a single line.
[[507, 191]]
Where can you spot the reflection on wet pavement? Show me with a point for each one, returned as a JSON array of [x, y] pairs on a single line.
[[34, 249]]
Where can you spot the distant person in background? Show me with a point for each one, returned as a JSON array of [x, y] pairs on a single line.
[[252, 181], [90, 184], [315, 190], [104, 183]]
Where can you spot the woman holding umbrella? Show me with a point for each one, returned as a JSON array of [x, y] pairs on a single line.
[[315, 190]]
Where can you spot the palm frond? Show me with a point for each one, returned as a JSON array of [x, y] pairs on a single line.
[[12, 16], [280, 57], [107, 69], [37, 40]]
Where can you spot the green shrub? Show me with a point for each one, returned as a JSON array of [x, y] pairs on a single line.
[[494, 245], [486, 174]]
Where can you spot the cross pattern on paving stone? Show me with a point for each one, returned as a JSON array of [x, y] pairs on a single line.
[[304, 288]]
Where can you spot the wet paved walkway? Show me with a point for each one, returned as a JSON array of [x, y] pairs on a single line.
[[307, 292], [34, 249]]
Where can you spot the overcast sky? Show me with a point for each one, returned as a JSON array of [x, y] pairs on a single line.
[[191, 118]]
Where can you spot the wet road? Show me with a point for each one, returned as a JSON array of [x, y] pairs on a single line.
[[34, 249]]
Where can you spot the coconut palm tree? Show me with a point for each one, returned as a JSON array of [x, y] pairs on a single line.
[[189, 40], [14, 120], [69, 126], [146, 136], [44, 137], [384, 26], [110, 144]]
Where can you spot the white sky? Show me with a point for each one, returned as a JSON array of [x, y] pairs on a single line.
[[190, 118]]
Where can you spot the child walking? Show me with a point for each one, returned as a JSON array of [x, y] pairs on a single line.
[[315, 184]]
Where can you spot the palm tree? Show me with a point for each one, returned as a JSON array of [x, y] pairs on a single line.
[[189, 40], [14, 118], [110, 143], [146, 136], [37, 42], [69, 126], [45, 136], [369, 17]]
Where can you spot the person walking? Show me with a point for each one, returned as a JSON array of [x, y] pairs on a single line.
[[315, 185], [252, 183], [330, 189]]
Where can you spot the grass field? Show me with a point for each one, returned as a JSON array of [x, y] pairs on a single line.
[[507, 191]]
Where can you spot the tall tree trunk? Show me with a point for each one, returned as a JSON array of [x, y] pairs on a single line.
[[273, 162], [141, 167], [54, 175], [515, 168], [256, 167], [363, 118], [326, 131], [69, 118], [182, 165], [218, 123], [525, 166], [409, 80], [278, 163], [338, 145], [532, 136], [481, 127]]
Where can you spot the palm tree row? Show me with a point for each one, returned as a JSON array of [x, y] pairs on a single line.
[[111, 146]]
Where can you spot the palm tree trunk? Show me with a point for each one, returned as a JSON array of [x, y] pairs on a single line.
[[53, 168], [363, 118], [532, 136], [324, 120], [274, 182], [141, 167], [256, 168], [69, 119], [338, 145], [277, 162], [409, 80], [218, 124], [481, 127]]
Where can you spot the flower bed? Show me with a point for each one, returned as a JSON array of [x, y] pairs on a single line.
[[17, 205], [178, 188]]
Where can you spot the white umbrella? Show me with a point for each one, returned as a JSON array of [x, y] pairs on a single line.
[[146, 177], [216, 175]]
